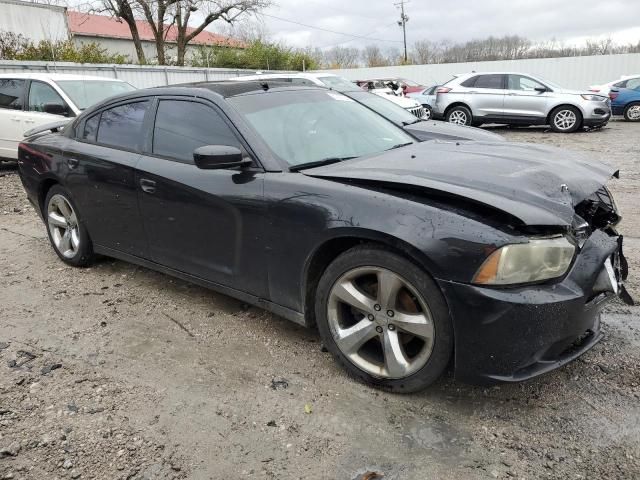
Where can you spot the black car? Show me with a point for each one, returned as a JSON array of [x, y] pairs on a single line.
[[405, 255]]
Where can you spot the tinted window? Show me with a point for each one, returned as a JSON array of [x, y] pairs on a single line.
[[489, 81], [519, 82], [91, 128], [121, 126], [11, 92], [469, 82], [620, 84], [41, 94], [181, 127]]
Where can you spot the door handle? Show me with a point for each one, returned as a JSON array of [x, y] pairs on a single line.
[[73, 163], [148, 186]]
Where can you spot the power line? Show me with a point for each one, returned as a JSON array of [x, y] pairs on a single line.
[[329, 31], [368, 37]]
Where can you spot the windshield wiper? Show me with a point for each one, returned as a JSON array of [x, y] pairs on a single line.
[[318, 163], [400, 145], [412, 122]]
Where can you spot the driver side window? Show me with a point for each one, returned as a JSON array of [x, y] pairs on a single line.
[[40, 94]]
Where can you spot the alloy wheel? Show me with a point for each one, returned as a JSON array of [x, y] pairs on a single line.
[[380, 322], [634, 113], [458, 117], [63, 226], [427, 114], [565, 119]]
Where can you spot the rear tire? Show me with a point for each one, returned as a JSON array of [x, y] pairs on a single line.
[[566, 119], [384, 319], [459, 115], [66, 229], [632, 112]]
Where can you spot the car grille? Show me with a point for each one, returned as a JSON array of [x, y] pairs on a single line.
[[417, 111]]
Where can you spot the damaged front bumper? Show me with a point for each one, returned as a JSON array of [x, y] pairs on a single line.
[[514, 334]]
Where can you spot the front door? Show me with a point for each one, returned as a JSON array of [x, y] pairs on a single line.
[[523, 101], [41, 94], [206, 223]]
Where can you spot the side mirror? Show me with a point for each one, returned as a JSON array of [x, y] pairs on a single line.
[[541, 89], [55, 109], [211, 157]]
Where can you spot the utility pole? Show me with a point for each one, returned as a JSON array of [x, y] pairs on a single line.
[[403, 23]]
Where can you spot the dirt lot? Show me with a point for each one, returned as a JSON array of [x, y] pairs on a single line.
[[117, 372]]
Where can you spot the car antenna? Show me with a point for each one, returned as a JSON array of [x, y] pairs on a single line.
[[265, 86]]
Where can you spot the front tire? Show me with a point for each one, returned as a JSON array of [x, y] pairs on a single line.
[[67, 233], [384, 319], [428, 112], [566, 119], [459, 115], [632, 112]]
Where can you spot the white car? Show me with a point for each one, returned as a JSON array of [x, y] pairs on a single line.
[[339, 84], [29, 100], [626, 81], [380, 87], [427, 98]]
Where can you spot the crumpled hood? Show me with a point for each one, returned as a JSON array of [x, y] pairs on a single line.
[[540, 185]]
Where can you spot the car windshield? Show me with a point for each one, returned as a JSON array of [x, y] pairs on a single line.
[[84, 93], [340, 84], [384, 107], [312, 126]]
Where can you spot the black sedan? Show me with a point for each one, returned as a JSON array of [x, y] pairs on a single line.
[[407, 256]]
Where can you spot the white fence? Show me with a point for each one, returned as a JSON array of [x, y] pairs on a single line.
[[569, 72], [140, 76]]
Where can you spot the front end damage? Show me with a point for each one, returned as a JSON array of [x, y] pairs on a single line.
[[517, 333]]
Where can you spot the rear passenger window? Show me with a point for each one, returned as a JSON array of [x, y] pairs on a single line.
[[489, 81], [90, 129], [121, 126], [183, 126], [469, 82], [11, 93]]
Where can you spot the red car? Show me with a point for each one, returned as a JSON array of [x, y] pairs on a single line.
[[408, 86]]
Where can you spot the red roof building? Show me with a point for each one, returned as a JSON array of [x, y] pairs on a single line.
[[115, 36]]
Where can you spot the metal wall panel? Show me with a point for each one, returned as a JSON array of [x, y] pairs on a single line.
[[139, 76], [569, 72], [34, 21]]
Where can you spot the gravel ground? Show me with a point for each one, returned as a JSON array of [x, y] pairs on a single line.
[[118, 372]]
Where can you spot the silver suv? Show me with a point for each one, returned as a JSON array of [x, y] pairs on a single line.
[[518, 99]]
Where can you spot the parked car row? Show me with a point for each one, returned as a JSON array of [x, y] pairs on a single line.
[[321, 202], [520, 99]]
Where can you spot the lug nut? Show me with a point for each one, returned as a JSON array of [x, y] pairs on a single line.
[[370, 317], [377, 307], [390, 313], [379, 329], [391, 326]]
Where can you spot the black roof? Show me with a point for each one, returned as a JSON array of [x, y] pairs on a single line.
[[230, 88]]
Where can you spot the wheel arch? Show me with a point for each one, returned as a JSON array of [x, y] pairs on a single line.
[[564, 105], [457, 104], [331, 248], [43, 190]]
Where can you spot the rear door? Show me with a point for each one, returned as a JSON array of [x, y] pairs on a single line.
[[101, 175], [12, 116], [207, 223], [523, 101], [485, 95]]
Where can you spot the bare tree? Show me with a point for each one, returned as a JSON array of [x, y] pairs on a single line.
[[373, 57], [168, 16], [342, 57], [121, 10]]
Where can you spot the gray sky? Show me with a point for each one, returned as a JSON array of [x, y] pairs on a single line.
[[458, 20]]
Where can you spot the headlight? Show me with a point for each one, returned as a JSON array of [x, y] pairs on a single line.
[[540, 259], [595, 98]]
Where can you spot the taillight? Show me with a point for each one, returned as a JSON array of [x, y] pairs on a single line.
[[613, 95], [443, 90]]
